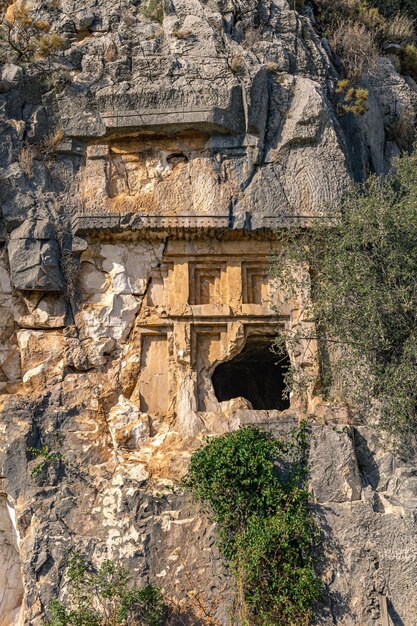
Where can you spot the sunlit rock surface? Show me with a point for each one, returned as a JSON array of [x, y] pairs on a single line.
[[135, 261]]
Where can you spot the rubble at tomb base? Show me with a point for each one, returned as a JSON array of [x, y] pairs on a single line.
[[137, 306]]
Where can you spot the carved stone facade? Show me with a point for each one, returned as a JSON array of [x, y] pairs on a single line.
[[137, 311], [201, 305]]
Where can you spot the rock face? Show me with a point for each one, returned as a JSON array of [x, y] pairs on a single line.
[[11, 595], [141, 182]]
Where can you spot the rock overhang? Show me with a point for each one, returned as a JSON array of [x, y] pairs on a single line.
[[214, 106]]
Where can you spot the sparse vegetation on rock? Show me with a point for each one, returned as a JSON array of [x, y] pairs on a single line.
[[354, 98], [362, 275], [357, 32], [409, 60], [105, 597], [400, 29], [389, 8], [23, 39], [153, 10], [45, 456]]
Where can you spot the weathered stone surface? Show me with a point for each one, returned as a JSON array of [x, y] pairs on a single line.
[[41, 355], [39, 310], [10, 77], [34, 257], [11, 584], [187, 143], [334, 472], [128, 426], [9, 354], [16, 195]]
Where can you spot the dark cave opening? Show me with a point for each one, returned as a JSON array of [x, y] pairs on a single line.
[[256, 373]]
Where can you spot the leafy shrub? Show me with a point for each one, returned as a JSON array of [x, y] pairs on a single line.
[[105, 598], [363, 268], [47, 457], [265, 528]]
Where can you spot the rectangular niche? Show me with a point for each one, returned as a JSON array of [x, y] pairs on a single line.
[[205, 283], [255, 283], [153, 378], [209, 348]]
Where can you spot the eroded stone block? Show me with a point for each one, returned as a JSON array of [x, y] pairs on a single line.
[[34, 257], [41, 353]]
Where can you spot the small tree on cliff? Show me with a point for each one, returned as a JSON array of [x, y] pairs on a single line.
[[363, 281], [23, 39], [105, 597]]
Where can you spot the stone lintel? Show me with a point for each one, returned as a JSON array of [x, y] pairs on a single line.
[[209, 121], [212, 109], [182, 226], [218, 109]]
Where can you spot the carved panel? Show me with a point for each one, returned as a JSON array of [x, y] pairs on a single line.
[[205, 283], [255, 283], [153, 380]]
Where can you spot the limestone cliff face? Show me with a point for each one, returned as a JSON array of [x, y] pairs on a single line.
[[141, 181]]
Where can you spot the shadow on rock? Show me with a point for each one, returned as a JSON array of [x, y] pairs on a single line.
[[396, 619], [368, 467]]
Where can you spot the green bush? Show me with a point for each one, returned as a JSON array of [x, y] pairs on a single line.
[[105, 597], [265, 528], [363, 268], [47, 457]]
